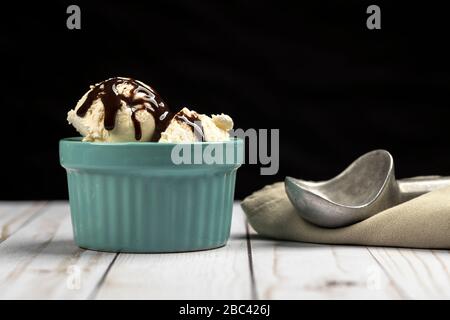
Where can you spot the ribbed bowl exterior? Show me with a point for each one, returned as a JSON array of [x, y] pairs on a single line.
[[147, 207]]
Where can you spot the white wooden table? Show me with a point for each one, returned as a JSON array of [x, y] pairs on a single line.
[[38, 259]]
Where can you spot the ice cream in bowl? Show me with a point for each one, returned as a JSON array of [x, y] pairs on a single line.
[[142, 178]]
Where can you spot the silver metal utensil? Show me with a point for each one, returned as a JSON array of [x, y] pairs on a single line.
[[367, 187]]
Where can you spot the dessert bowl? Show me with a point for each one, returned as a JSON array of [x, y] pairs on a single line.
[[133, 196]]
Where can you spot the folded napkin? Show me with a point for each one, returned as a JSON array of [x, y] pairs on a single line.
[[423, 222]]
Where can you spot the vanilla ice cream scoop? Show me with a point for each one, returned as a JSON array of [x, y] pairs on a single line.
[[189, 126], [120, 110]]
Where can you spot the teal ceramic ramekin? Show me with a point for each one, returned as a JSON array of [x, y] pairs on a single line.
[[132, 197]]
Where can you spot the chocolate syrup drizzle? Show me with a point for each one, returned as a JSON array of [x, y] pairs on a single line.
[[111, 99], [194, 122]]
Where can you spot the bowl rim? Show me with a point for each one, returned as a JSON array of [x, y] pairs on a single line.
[[77, 140]]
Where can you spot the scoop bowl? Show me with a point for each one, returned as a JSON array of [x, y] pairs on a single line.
[[366, 187]]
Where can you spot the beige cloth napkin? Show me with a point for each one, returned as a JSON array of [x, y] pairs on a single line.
[[423, 222]]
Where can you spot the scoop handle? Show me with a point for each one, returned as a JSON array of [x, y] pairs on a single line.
[[416, 186]]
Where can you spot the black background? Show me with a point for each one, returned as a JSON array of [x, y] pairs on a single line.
[[311, 69]]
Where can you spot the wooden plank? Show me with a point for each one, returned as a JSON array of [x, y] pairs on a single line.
[[41, 261], [38, 259], [213, 274], [13, 215], [293, 270], [419, 274]]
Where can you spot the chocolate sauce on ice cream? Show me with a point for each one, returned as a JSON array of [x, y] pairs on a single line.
[[192, 121], [141, 97], [126, 110]]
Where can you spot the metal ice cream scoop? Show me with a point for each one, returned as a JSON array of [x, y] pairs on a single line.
[[367, 187]]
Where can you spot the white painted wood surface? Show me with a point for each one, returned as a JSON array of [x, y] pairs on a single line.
[[38, 260], [418, 274], [212, 274]]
